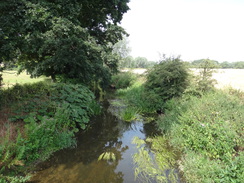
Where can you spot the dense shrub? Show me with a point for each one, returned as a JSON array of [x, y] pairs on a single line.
[[123, 79], [50, 114], [78, 100], [21, 92], [168, 79], [209, 132], [137, 97]]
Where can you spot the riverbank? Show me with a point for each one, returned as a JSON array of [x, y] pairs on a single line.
[[38, 120], [205, 127]]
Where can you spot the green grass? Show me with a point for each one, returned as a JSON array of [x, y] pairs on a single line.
[[129, 114], [10, 78], [208, 130]]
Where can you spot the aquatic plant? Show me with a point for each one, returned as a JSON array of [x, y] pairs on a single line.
[[108, 156], [159, 167], [128, 114]]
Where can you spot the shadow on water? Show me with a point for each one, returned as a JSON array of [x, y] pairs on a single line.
[[80, 164]]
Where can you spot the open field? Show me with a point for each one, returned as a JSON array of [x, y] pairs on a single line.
[[228, 78], [11, 77]]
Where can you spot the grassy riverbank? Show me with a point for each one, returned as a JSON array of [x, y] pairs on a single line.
[[37, 120], [208, 130], [204, 124]]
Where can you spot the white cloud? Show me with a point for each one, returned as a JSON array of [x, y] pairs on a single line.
[[192, 28]]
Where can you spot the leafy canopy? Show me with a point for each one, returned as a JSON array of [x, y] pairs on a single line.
[[72, 38]]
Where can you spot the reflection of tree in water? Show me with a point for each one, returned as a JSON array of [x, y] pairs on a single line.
[[81, 164]]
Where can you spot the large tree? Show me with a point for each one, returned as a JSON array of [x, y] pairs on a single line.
[[69, 38]]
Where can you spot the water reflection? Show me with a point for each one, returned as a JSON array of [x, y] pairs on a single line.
[[106, 134]]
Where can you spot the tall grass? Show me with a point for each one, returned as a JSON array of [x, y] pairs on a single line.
[[208, 130], [136, 97], [123, 79]]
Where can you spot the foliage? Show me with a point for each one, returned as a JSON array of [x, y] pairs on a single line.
[[222, 65], [51, 114], [48, 136], [123, 80], [204, 80], [71, 39], [168, 79], [153, 168], [129, 114], [77, 100], [138, 62], [108, 156], [21, 92], [208, 130], [138, 98], [122, 48]]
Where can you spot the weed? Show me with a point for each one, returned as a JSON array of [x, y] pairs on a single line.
[[148, 167], [209, 131], [129, 114], [123, 80]]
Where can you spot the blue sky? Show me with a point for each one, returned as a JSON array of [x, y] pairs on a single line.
[[194, 29]]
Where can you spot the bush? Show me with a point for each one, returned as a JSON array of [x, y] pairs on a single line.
[[50, 114], [123, 79], [137, 97], [168, 79], [78, 100], [209, 132]]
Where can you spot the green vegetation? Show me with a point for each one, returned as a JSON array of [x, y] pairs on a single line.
[[46, 117], [138, 62], [123, 80], [154, 168], [168, 79], [62, 39], [75, 42], [68, 42], [209, 132], [129, 114], [10, 78], [222, 65], [204, 79], [204, 124]]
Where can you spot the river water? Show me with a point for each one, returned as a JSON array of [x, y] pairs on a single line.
[[106, 133]]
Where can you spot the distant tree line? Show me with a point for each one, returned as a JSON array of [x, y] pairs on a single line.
[[220, 65], [138, 62]]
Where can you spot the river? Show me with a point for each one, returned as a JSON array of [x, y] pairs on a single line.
[[106, 133]]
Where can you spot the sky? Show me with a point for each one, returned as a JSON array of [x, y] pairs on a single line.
[[194, 29]]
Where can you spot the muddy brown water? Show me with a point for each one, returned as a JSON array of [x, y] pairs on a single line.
[[80, 164]]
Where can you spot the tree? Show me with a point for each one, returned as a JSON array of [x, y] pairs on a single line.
[[239, 65], [141, 62], [204, 80], [70, 38], [122, 48]]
